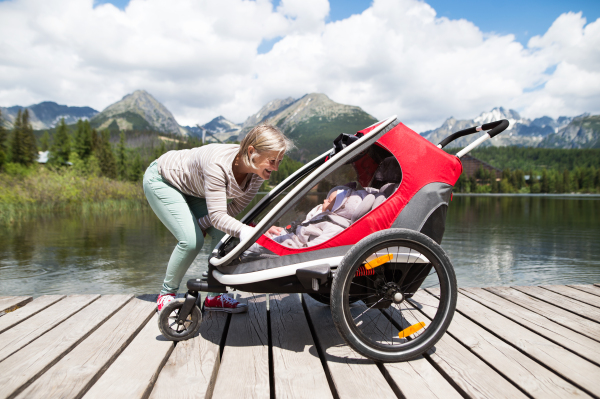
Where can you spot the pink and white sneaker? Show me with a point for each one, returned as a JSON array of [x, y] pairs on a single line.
[[163, 300], [223, 303]]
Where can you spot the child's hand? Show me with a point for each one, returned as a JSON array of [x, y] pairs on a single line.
[[274, 231]]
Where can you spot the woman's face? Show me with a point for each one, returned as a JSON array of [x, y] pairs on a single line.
[[266, 163]]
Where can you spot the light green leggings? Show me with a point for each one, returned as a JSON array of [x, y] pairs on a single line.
[[180, 213]]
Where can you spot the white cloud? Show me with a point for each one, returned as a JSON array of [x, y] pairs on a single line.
[[200, 59]]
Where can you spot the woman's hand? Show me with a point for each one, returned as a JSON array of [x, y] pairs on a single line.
[[274, 231]]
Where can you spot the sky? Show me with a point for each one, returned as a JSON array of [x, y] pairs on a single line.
[[421, 60]]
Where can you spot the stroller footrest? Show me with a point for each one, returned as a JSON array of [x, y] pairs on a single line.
[[197, 284], [313, 277]]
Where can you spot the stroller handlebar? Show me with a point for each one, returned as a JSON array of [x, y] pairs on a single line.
[[496, 127]]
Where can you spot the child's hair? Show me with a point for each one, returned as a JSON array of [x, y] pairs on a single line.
[[264, 138]]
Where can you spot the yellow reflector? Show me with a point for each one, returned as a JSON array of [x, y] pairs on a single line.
[[411, 330], [378, 261]]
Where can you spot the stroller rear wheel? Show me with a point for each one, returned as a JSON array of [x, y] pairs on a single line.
[[389, 272], [174, 330]]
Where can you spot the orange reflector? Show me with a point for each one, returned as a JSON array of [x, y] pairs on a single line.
[[378, 261], [411, 330]]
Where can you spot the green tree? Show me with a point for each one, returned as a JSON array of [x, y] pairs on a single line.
[[545, 183], [83, 139], [45, 141], [121, 158], [3, 141], [61, 146], [105, 155], [136, 171], [24, 148]]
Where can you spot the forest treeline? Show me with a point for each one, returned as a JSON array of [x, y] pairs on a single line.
[[534, 170], [84, 164]]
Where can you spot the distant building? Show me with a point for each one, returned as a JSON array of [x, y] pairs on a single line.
[[43, 156], [471, 164]]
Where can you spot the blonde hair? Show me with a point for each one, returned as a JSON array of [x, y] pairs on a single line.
[[264, 138]]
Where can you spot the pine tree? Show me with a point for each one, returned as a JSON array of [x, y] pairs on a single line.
[[3, 145], [16, 144], [136, 171], [45, 141], [61, 148], [83, 139], [545, 182], [105, 155], [30, 150], [121, 158]]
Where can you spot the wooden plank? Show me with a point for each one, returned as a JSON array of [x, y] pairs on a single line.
[[22, 334], [353, 375], [246, 353], [11, 303], [194, 363], [22, 368], [13, 318], [134, 372], [298, 373], [574, 293], [473, 376], [565, 318], [590, 289], [526, 373], [540, 324], [561, 301], [577, 370], [75, 373]]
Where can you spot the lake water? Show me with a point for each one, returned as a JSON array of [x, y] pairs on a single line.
[[491, 240]]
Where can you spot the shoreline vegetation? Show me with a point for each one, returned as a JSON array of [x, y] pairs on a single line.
[[89, 171]]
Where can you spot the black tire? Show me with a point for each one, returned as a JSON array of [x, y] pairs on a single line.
[[167, 319], [372, 327]]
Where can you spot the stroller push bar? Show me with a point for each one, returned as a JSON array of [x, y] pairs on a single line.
[[496, 127]]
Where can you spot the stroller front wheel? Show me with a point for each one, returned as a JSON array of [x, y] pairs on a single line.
[[389, 271], [178, 331]]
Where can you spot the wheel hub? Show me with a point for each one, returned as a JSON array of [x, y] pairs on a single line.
[[391, 292]]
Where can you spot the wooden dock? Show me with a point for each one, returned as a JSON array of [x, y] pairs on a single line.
[[504, 342]]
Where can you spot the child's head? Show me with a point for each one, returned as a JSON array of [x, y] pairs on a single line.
[[334, 199]]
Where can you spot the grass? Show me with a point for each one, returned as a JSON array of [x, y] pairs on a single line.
[[28, 193]]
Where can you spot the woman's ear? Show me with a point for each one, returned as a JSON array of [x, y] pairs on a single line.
[[251, 151]]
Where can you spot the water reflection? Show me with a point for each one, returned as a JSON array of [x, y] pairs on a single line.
[[490, 240]]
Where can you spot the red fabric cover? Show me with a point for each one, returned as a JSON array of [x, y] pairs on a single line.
[[421, 163]]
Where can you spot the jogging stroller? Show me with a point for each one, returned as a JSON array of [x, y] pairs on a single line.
[[373, 271]]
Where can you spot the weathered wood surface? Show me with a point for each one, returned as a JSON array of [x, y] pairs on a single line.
[[135, 371], [22, 334], [194, 363], [20, 369], [297, 369], [574, 293], [579, 371], [11, 303], [591, 289], [540, 324], [246, 354], [558, 315], [37, 305], [474, 377], [526, 373], [75, 373], [561, 301], [502, 343], [348, 369]]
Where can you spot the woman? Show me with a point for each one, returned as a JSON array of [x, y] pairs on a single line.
[[188, 190]]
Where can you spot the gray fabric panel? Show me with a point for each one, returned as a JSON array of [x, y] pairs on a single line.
[[425, 201], [363, 208], [279, 261]]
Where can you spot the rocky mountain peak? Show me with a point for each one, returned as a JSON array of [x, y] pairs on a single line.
[[143, 104]]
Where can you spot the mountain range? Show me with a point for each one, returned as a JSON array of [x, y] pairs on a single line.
[[312, 122], [47, 114]]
